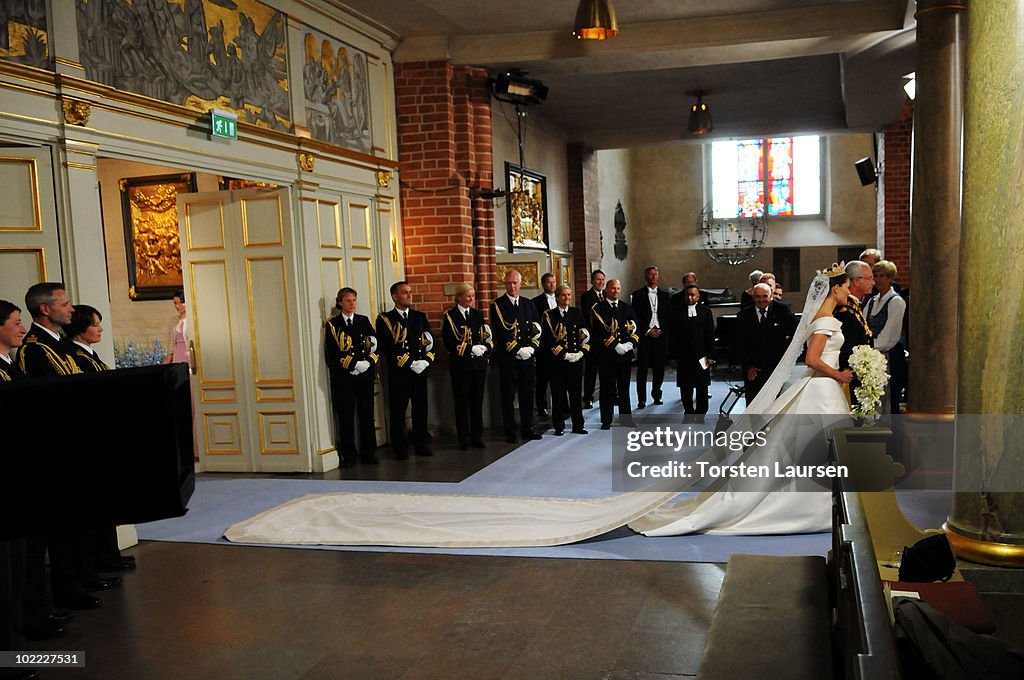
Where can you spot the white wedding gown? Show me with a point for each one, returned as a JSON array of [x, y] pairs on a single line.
[[439, 520]]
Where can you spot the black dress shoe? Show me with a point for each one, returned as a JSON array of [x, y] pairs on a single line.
[[579, 431], [478, 444], [47, 630], [60, 616], [641, 404], [116, 564], [82, 600], [559, 433], [589, 403], [605, 426], [512, 438], [530, 436], [98, 583], [369, 459]]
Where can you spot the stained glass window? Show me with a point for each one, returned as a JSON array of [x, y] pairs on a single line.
[[780, 175]]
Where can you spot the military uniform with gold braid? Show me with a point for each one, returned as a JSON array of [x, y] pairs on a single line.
[[565, 340], [86, 360], [41, 355], [614, 331], [469, 343], [405, 341], [855, 332], [10, 372], [516, 340], [346, 344]]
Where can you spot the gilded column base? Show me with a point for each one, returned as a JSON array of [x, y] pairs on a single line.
[[985, 552]]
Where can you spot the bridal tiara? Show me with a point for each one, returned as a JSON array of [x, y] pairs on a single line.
[[834, 270]]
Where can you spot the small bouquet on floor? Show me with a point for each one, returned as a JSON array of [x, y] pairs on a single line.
[[870, 367]]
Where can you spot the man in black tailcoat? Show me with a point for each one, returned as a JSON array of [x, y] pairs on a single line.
[[652, 307], [544, 302], [406, 341], [350, 347], [615, 338], [516, 327], [566, 340], [591, 297], [763, 330], [692, 346]]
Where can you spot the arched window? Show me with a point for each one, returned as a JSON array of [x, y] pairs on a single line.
[[777, 175]]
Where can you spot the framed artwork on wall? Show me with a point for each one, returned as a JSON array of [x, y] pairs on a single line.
[[527, 208], [149, 208]]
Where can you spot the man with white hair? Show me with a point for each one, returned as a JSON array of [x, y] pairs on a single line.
[[747, 297], [764, 329], [855, 326]]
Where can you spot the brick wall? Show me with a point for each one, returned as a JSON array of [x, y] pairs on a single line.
[[584, 213], [894, 193], [444, 150]]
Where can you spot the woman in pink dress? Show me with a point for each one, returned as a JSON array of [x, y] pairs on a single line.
[[179, 333]]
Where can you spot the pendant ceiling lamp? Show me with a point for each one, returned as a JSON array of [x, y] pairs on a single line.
[[700, 117], [595, 20]]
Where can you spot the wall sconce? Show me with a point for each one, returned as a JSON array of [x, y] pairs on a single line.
[[700, 117], [595, 20]]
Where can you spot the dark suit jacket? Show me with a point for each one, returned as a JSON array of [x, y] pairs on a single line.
[[613, 328], [541, 302], [513, 327], [855, 329], [460, 335], [640, 300], [691, 338], [403, 341], [40, 355], [560, 336], [587, 302], [343, 348], [763, 346]]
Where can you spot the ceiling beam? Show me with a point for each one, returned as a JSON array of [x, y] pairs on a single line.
[[772, 26]]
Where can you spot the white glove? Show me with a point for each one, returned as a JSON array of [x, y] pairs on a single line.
[[429, 340], [628, 346], [419, 366], [479, 350], [620, 348], [362, 366], [573, 357], [585, 334], [536, 326], [524, 353]]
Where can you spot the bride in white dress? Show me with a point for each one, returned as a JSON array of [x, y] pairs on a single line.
[[763, 506]]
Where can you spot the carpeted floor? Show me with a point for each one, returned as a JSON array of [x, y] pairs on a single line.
[[567, 467]]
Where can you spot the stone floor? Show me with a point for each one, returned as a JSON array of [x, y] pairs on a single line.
[[225, 611]]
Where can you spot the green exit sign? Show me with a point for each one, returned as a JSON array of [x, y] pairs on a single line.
[[223, 124]]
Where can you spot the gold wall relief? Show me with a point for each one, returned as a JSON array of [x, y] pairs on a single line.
[[527, 209], [306, 161], [76, 112], [150, 212], [383, 179]]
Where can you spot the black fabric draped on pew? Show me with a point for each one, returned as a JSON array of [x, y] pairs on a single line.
[[114, 446]]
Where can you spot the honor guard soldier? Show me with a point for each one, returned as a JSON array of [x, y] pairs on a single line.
[[565, 340], [406, 341], [12, 333], [544, 302], [615, 335], [468, 341], [351, 349], [591, 297], [516, 326]]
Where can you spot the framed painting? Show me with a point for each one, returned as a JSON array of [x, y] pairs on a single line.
[[149, 207], [527, 209]]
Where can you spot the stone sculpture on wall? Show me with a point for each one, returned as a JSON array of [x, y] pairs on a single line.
[[23, 36], [336, 92], [200, 54], [621, 249]]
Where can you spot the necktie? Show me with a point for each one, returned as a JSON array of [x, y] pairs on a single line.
[[615, 305], [764, 316], [348, 323], [467, 316], [515, 302], [600, 296], [563, 313], [405, 316]]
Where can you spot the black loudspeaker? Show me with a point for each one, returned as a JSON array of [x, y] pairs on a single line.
[[866, 171]]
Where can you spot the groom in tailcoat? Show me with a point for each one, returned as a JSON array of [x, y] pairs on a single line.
[[764, 330], [855, 326], [652, 308]]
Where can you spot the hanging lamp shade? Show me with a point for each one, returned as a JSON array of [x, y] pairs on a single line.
[[595, 20], [700, 117]]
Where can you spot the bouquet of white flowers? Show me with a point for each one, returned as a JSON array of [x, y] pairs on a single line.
[[869, 364]]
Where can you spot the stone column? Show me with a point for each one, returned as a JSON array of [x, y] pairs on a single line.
[[935, 217], [987, 520]]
